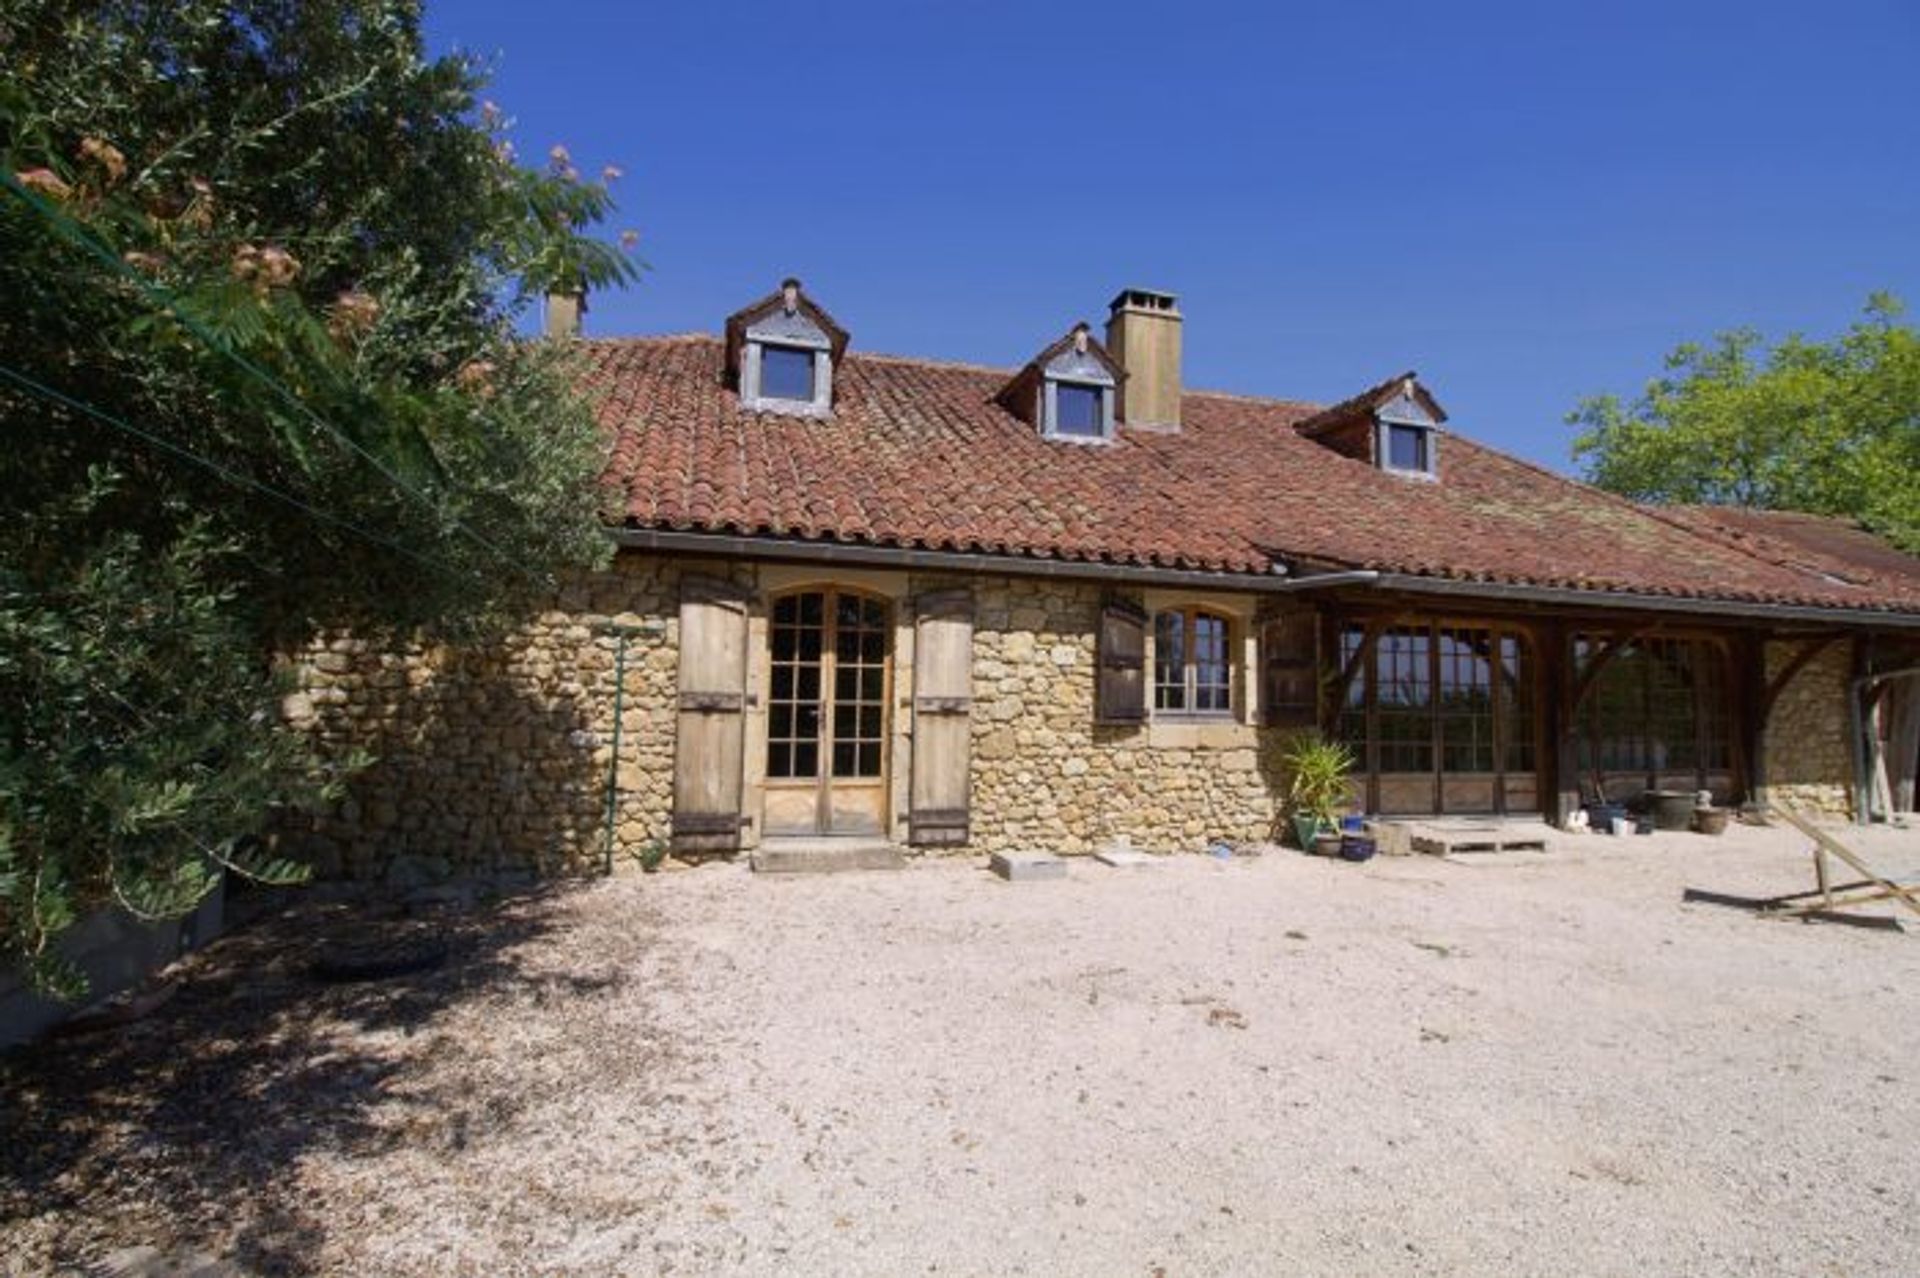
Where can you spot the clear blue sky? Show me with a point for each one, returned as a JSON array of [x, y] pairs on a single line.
[[1526, 202]]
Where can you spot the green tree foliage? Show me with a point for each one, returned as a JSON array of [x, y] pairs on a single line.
[[1832, 428], [258, 381]]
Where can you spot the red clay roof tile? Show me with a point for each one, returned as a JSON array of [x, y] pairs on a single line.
[[917, 453]]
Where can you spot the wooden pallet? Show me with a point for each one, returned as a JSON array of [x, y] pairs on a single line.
[[1448, 838]]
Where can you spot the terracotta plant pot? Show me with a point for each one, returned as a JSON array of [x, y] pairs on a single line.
[[1711, 820], [1327, 843]]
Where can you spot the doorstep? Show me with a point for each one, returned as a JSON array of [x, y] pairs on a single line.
[[826, 855]]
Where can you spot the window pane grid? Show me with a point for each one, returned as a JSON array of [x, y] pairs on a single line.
[[1212, 680], [1467, 689], [798, 702], [1351, 724], [1659, 706], [1404, 691], [1192, 663], [1170, 661], [1466, 700], [1516, 705]]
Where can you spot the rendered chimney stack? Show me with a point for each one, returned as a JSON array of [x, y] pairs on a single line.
[[1143, 333], [563, 313]]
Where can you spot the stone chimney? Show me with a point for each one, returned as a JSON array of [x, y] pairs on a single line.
[[1143, 333], [564, 310]]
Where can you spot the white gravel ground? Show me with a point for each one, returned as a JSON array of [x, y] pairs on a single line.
[[1524, 1064]]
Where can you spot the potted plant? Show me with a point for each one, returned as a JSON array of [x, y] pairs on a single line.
[[1319, 780]]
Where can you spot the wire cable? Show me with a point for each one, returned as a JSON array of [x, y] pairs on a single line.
[[224, 472]]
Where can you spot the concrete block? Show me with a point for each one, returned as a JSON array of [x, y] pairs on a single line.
[[1125, 858], [1024, 867]]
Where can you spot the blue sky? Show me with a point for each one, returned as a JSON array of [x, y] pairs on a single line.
[[1525, 202]]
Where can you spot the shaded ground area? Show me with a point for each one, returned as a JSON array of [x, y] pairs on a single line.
[[1520, 1064], [295, 1126]]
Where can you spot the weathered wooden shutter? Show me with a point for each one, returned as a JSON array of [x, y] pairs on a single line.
[[942, 719], [709, 758], [1120, 694], [1290, 668]]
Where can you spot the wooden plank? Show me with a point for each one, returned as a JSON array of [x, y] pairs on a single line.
[[937, 807], [709, 774], [1910, 897]]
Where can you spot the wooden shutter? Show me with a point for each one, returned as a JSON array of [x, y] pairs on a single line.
[[1290, 669], [942, 719], [709, 757], [1120, 694]]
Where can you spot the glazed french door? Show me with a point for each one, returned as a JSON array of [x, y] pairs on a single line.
[[827, 714], [1442, 719]]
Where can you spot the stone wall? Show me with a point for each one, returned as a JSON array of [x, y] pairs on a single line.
[[496, 758], [1046, 777], [1808, 763]]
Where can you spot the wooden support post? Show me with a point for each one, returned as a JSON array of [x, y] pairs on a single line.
[[1556, 657], [1750, 679]]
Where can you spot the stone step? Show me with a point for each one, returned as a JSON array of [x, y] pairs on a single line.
[[1027, 867], [826, 855]]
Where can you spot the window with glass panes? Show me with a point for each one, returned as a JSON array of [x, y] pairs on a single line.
[[1192, 662], [827, 702], [1079, 410], [1657, 705], [786, 372], [1439, 698]]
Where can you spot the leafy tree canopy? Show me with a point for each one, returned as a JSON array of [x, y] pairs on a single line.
[[258, 381], [1832, 428]]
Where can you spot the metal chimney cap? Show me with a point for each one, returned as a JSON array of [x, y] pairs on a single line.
[[1144, 299]]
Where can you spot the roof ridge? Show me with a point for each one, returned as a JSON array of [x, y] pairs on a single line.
[[928, 361], [1242, 397], [648, 339]]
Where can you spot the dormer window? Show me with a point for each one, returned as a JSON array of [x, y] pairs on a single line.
[[1393, 427], [1071, 390], [781, 353], [1408, 437]]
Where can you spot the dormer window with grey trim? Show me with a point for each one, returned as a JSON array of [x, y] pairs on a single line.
[[1077, 393], [786, 364], [1070, 391], [1408, 442], [781, 354]]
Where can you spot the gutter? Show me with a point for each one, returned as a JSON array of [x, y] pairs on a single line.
[[797, 550], [1862, 752], [1279, 582], [1648, 603]]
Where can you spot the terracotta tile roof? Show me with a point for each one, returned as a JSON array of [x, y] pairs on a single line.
[[918, 454], [1823, 544]]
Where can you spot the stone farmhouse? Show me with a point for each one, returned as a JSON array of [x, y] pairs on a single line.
[[907, 603]]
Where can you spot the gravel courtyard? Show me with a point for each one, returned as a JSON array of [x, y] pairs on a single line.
[[1527, 1064]]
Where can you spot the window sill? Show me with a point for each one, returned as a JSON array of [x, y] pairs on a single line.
[[786, 407], [1167, 731]]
